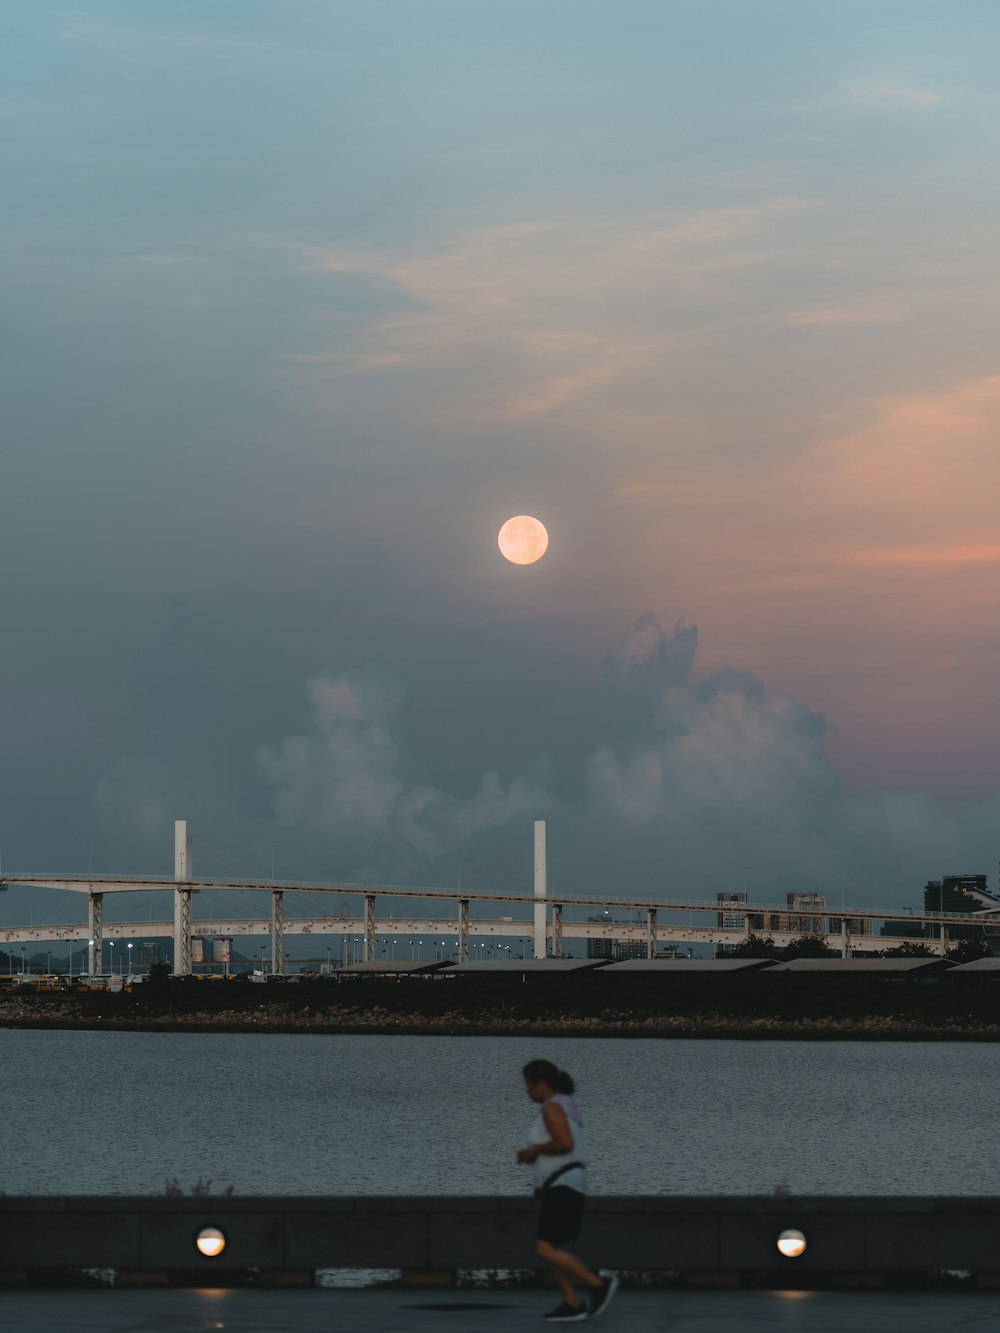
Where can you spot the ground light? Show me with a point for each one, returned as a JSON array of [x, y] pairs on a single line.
[[792, 1243], [210, 1241]]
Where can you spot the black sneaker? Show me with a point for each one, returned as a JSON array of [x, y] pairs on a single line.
[[567, 1314], [603, 1296]]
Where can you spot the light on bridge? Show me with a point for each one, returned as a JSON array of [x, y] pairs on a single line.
[[210, 1241], [792, 1243]]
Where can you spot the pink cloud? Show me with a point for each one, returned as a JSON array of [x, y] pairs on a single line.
[[549, 304]]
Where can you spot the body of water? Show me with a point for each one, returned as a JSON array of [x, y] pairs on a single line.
[[118, 1112]]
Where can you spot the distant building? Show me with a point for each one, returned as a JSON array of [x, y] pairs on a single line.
[[603, 946], [962, 895], [626, 949], [148, 954], [606, 946], [959, 893], [805, 915], [856, 925], [730, 918]]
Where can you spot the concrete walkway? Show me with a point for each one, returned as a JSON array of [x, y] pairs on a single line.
[[319, 1311]]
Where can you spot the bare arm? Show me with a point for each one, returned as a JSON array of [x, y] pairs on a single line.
[[560, 1136]]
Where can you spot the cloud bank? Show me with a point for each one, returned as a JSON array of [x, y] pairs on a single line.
[[350, 779], [705, 785]]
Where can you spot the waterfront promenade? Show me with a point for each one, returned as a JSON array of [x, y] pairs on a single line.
[[393, 1311]]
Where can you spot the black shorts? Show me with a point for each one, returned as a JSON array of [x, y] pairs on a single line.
[[562, 1215]]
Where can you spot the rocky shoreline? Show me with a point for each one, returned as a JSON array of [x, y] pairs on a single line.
[[376, 1021]]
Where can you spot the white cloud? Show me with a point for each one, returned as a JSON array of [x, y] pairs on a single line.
[[723, 777], [350, 778], [890, 92], [731, 784]]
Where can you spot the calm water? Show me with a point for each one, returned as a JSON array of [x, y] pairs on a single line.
[[115, 1112]]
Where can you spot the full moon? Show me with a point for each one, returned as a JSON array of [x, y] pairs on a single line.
[[523, 540]]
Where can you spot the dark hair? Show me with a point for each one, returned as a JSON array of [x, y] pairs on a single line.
[[544, 1071]]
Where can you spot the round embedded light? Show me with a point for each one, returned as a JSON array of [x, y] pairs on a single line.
[[210, 1241], [792, 1243]]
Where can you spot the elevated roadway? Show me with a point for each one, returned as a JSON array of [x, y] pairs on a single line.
[[464, 920], [546, 919]]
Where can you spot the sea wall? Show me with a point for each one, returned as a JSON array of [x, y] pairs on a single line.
[[883, 1238]]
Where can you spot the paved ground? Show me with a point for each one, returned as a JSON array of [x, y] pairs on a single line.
[[494, 1311]]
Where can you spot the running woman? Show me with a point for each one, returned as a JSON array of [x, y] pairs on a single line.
[[558, 1153]]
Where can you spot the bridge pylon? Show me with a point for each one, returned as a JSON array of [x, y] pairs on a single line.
[[182, 898]]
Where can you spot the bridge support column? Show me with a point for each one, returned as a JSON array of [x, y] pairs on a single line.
[[182, 899], [277, 933], [463, 930], [541, 878], [369, 927], [651, 933], [95, 921], [557, 930], [182, 932]]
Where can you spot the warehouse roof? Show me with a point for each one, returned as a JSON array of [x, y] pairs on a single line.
[[862, 965], [538, 966], [391, 967], [979, 965], [679, 965]]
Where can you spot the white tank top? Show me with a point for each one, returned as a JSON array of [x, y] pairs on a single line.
[[546, 1166]]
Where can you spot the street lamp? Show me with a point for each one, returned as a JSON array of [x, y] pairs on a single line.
[[210, 1242], [130, 960], [111, 957], [792, 1243], [24, 950]]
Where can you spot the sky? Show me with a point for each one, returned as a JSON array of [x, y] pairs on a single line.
[[301, 301]]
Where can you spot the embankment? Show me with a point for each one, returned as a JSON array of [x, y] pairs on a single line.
[[754, 1007]]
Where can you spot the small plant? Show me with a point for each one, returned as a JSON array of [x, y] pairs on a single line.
[[201, 1189]]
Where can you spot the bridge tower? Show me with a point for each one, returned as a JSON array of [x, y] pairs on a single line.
[[541, 876], [182, 898]]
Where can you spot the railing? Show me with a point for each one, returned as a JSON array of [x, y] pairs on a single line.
[[156, 883]]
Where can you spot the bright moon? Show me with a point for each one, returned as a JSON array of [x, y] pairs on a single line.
[[523, 540]]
